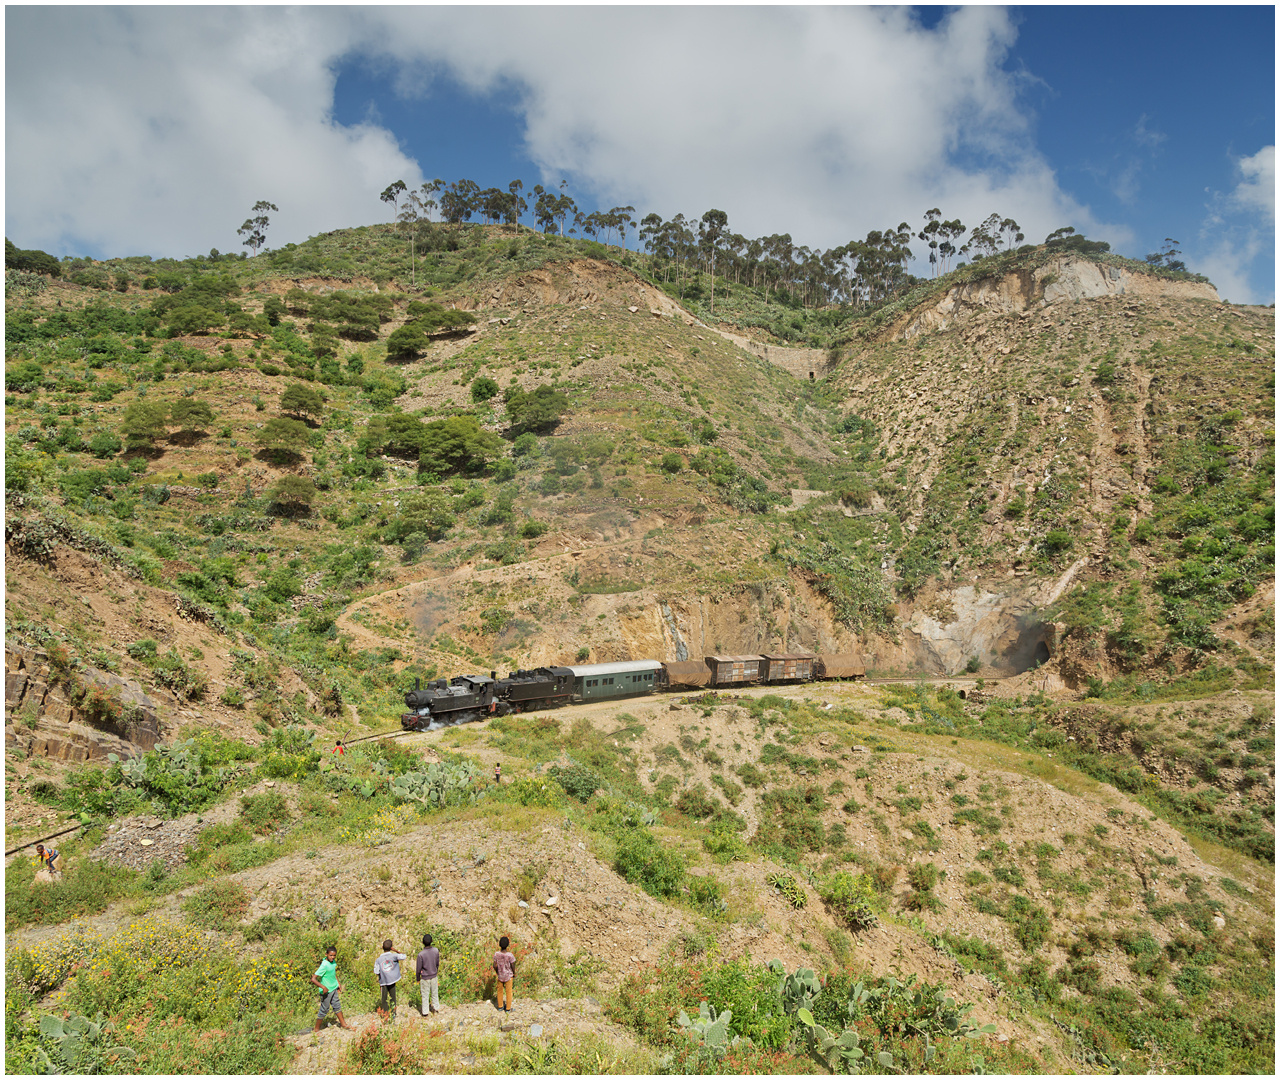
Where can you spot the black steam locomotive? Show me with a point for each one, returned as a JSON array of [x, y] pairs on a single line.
[[467, 698]]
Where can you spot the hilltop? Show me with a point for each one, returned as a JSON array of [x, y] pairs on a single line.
[[1045, 481]]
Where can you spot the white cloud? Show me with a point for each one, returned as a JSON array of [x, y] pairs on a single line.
[[1256, 192], [155, 129], [1228, 266], [826, 122], [1239, 230]]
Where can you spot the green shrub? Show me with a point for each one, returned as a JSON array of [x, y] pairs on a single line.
[[723, 843], [87, 888], [483, 388], [852, 899], [1056, 542], [706, 894], [264, 813], [212, 837], [577, 780], [1031, 923], [105, 444], [695, 803], [749, 991], [792, 818], [290, 753], [642, 861], [535, 791]]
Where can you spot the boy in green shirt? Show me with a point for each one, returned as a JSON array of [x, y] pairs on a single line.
[[326, 978]]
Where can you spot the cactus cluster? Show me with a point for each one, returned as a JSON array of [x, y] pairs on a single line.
[[922, 1010], [439, 784], [710, 1029], [837, 1053], [134, 770]]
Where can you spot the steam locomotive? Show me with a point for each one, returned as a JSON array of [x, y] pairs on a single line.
[[465, 699]]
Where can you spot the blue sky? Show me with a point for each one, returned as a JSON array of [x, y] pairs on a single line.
[[154, 130]]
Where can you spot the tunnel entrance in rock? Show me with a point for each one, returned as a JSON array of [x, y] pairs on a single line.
[[1033, 647]]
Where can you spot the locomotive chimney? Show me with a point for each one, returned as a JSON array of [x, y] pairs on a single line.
[[493, 675], [415, 683]]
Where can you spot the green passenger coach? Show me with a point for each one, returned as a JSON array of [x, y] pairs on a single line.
[[626, 678]]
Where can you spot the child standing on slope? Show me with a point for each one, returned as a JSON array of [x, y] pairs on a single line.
[[504, 965], [428, 970], [326, 977], [387, 968]]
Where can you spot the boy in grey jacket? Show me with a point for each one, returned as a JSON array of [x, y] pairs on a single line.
[[387, 968]]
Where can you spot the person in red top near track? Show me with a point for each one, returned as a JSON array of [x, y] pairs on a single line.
[[504, 965]]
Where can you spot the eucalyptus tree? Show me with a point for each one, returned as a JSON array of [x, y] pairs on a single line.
[[985, 238], [929, 234], [413, 212], [590, 224], [428, 197], [459, 201], [490, 203], [514, 205], [710, 230], [1167, 257], [564, 206], [779, 250], [391, 194], [1012, 232], [254, 230], [949, 232], [651, 226], [620, 218], [753, 253], [735, 245], [544, 208]]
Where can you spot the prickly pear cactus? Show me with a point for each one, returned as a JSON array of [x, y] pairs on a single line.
[[797, 990], [440, 784], [74, 1038], [711, 1030]]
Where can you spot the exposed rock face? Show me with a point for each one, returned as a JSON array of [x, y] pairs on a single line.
[[1065, 278], [1001, 631], [42, 718], [1004, 631]]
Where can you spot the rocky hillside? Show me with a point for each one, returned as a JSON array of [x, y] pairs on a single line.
[[1042, 492]]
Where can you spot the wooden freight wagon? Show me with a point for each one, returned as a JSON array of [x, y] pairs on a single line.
[[839, 666], [734, 670], [787, 667], [687, 673]]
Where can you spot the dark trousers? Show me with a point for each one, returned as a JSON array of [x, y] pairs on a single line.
[[388, 991]]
